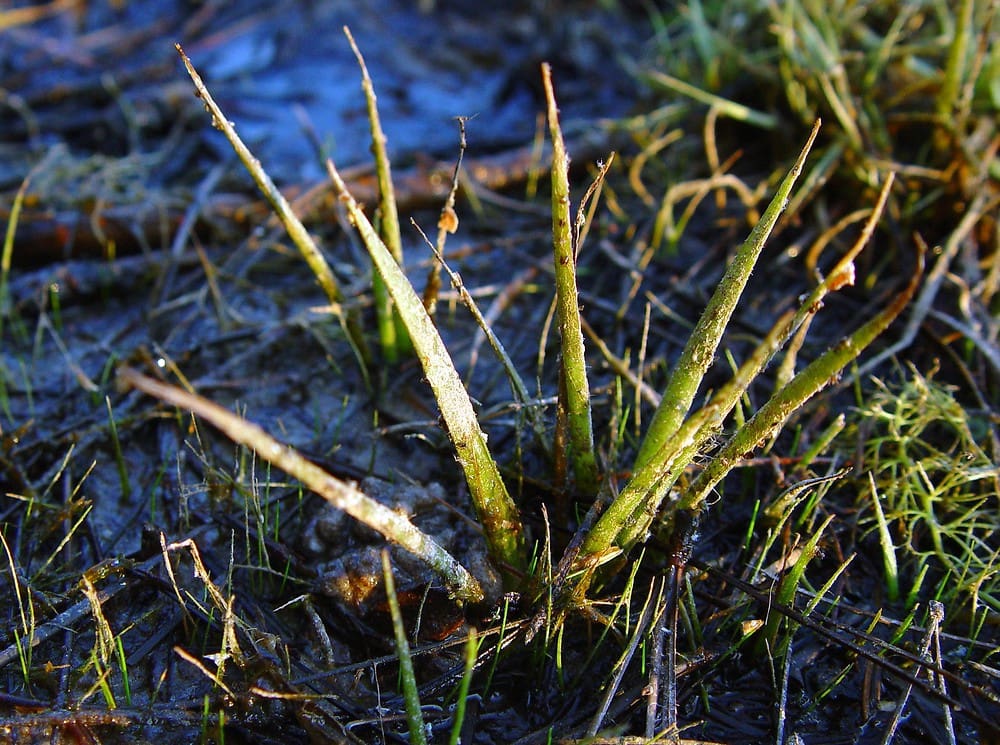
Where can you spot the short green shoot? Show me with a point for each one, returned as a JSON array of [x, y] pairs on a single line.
[[471, 654], [123, 478], [411, 697], [889, 563], [789, 585], [24, 647], [103, 672], [123, 669]]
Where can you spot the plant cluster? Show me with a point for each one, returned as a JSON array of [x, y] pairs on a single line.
[[675, 436], [905, 92]]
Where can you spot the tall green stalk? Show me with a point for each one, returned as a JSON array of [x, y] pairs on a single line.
[[699, 352], [495, 509], [392, 331], [574, 364]]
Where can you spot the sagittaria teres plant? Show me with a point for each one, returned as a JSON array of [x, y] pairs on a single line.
[[675, 436]]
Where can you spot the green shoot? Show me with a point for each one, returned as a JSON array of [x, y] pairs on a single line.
[[411, 698], [494, 507], [471, 652], [700, 350], [574, 365], [885, 541], [123, 479], [790, 582], [123, 668], [101, 684], [391, 330], [804, 386]]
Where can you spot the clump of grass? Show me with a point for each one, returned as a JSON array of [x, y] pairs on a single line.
[[933, 491], [880, 73], [906, 87], [657, 485], [676, 436]]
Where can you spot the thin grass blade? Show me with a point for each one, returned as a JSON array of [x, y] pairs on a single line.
[[343, 496], [411, 697], [790, 582], [729, 108]]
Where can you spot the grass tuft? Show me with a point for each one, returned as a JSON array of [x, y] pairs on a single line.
[[934, 488]]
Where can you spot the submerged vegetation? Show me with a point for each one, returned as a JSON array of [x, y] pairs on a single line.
[[657, 533]]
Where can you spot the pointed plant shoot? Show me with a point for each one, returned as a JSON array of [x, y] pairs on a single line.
[[700, 350], [392, 332], [772, 415], [574, 364], [494, 507], [627, 519], [629, 516]]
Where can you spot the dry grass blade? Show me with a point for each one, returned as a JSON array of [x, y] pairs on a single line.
[[296, 230], [340, 494], [293, 225]]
